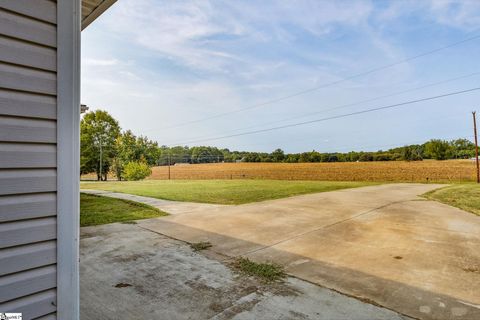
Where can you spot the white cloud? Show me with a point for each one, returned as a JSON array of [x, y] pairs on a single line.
[[100, 62], [202, 34], [455, 13], [460, 14], [176, 30]]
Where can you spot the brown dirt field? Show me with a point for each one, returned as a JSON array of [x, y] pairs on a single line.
[[400, 171]]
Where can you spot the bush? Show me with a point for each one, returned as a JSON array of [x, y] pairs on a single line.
[[134, 171]]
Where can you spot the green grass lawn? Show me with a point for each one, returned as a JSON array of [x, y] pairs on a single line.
[[95, 210], [463, 196], [220, 191]]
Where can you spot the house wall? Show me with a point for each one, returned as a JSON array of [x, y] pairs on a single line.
[[28, 157]]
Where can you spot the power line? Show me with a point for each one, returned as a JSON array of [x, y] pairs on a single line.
[[283, 143], [325, 85], [334, 117], [351, 104]]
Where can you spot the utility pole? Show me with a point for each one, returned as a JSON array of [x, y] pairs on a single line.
[[169, 166], [101, 151], [474, 113]]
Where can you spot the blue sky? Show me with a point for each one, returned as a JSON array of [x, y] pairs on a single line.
[[156, 65]]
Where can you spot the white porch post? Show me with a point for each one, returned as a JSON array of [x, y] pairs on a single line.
[[68, 157]]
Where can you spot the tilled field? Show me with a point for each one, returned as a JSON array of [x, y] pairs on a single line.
[[400, 171]]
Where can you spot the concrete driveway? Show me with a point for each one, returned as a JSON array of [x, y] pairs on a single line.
[[127, 272], [381, 244]]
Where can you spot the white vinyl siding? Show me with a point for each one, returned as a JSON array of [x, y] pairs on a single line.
[[28, 158], [34, 306]]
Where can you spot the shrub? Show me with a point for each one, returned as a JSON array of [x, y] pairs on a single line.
[[134, 171]]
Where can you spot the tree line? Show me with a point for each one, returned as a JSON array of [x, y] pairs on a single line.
[[105, 148]]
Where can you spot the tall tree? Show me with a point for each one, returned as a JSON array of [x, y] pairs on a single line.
[[126, 151], [98, 134], [438, 149], [147, 150], [463, 148], [278, 155]]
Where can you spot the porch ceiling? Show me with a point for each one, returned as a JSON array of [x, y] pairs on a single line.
[[92, 9]]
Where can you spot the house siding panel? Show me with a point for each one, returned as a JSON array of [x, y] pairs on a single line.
[[44, 10], [27, 54], [26, 257], [24, 104], [27, 231], [33, 306], [23, 155], [23, 28], [28, 158], [27, 130], [52, 316], [27, 181], [27, 282], [27, 79], [27, 206]]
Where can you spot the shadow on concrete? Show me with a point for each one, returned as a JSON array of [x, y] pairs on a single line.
[[403, 298]]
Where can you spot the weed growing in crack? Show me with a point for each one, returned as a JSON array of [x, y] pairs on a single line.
[[199, 246], [268, 272]]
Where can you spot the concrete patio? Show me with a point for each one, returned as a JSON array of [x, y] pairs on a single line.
[[128, 272]]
